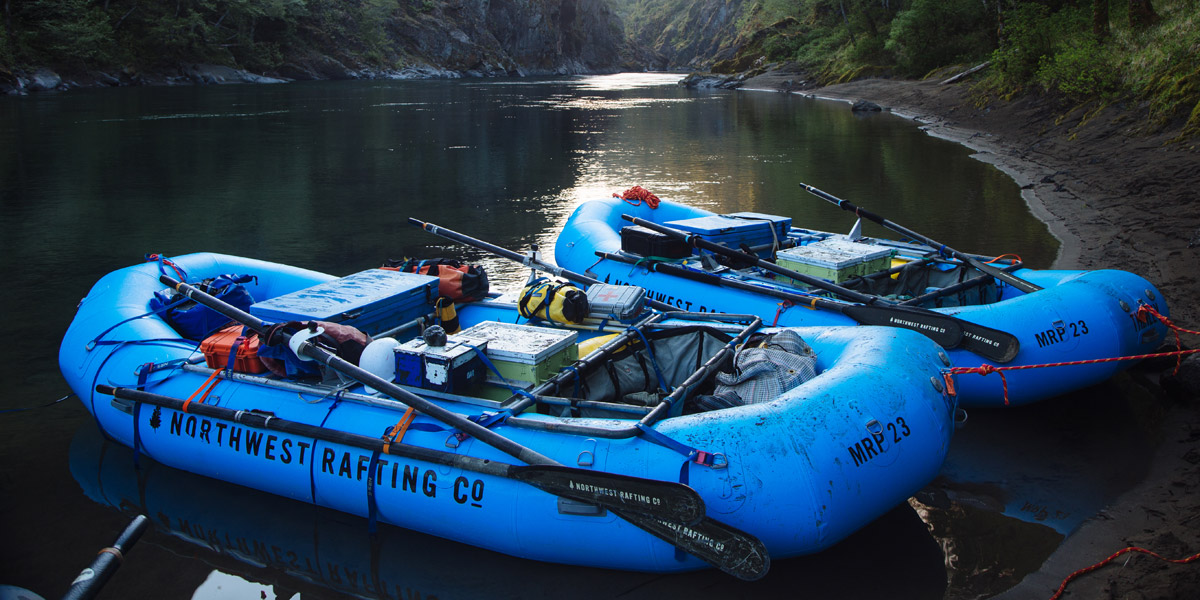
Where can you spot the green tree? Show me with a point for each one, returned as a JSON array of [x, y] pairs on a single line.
[[935, 33], [58, 31], [1100, 18]]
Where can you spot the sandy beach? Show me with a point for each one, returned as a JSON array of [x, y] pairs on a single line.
[[1116, 196]]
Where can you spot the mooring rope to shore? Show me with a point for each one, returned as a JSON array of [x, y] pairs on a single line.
[[1144, 313]]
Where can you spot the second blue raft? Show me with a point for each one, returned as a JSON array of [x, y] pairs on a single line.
[[1078, 315]]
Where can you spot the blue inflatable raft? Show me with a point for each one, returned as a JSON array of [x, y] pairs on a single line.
[[1076, 316], [635, 472]]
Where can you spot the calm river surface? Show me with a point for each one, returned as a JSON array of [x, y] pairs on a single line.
[[324, 176]]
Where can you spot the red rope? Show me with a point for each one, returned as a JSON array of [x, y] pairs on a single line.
[[1015, 257], [1146, 309], [1144, 312], [168, 262], [640, 194], [782, 306], [1086, 570]]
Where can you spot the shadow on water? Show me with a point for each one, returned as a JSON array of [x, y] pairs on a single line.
[[1017, 482]]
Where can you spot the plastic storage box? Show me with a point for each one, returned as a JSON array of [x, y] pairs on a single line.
[[646, 242], [523, 354], [455, 368], [737, 229], [371, 301], [873, 258], [217, 346], [834, 260], [606, 301]]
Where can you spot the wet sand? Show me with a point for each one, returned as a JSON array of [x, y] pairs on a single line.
[[1116, 196]]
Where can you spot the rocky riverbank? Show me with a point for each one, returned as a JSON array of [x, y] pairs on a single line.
[[1117, 194]]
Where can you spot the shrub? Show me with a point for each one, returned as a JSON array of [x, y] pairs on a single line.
[[935, 33], [1080, 68]]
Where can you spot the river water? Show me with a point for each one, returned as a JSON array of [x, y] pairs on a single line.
[[324, 175]]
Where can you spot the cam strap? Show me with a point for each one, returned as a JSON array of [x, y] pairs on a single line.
[[694, 455], [395, 433], [209, 383]]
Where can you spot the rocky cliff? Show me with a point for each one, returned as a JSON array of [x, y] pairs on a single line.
[[217, 41], [511, 37], [690, 34]]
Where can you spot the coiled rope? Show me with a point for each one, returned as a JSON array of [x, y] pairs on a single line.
[[638, 194]]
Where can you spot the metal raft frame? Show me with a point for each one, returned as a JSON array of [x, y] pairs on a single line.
[[547, 392]]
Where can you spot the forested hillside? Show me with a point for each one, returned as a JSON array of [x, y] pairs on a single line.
[[1103, 50], [1083, 50]]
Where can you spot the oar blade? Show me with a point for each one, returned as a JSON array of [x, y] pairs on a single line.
[[992, 344], [948, 331], [722, 546], [945, 330], [665, 500]]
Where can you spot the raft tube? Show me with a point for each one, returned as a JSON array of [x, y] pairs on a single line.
[[290, 546], [1077, 316], [799, 472]]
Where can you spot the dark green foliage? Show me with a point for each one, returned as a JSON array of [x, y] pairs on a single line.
[[1031, 34], [1055, 49], [936, 33], [1080, 68], [251, 34], [58, 31]]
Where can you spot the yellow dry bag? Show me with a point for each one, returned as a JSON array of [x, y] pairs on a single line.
[[558, 302]]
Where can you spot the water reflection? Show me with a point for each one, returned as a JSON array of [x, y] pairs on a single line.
[[324, 175], [296, 548]]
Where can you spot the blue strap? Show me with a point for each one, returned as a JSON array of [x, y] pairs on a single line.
[[372, 504], [485, 420], [695, 455], [312, 465], [233, 350], [488, 363], [96, 340], [578, 378], [653, 361], [143, 373]]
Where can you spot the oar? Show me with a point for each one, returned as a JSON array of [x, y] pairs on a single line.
[[89, 581], [727, 548], [663, 499], [992, 270], [947, 334], [523, 259], [947, 331]]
